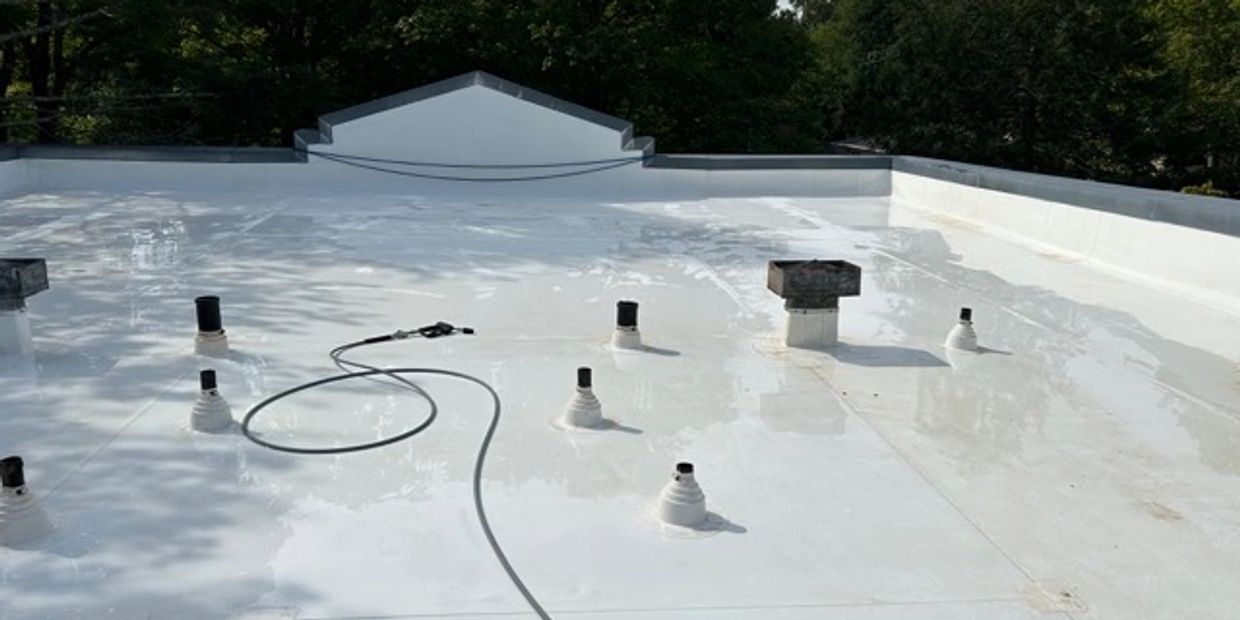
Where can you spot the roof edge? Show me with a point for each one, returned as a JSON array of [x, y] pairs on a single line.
[[188, 154], [769, 162]]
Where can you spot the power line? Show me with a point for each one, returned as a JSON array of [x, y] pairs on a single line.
[[442, 177], [5, 100], [489, 166]]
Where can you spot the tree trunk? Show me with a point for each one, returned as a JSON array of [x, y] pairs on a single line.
[[39, 60], [7, 61]]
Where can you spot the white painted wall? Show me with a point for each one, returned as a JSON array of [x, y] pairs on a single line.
[[628, 183], [475, 125], [1198, 264], [14, 177], [138, 176], [653, 183]]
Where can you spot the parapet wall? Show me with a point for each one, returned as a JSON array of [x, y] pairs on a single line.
[[1185, 244]]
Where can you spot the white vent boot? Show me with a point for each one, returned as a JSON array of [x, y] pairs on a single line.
[[211, 413], [682, 502], [584, 410], [812, 328], [19, 279], [626, 335], [962, 336], [211, 340], [22, 518], [15, 336]]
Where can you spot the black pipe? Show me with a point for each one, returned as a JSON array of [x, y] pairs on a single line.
[[584, 378], [206, 379], [626, 314], [208, 307], [966, 314], [12, 474], [684, 468]]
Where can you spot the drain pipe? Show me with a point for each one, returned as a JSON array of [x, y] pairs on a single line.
[[22, 518], [682, 501], [211, 340], [584, 410], [811, 290], [211, 414], [19, 278], [962, 336], [626, 335]]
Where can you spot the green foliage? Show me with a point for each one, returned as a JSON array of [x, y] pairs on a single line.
[[1203, 52], [1137, 91], [1060, 87], [1205, 189]]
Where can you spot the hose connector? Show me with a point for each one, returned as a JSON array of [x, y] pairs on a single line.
[[442, 329], [434, 330]]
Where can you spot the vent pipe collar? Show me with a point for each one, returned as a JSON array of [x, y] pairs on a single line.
[[963, 336], [682, 501], [211, 414], [22, 518], [583, 410]]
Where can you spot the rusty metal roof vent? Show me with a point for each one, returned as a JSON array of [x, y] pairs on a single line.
[[19, 278], [811, 290]]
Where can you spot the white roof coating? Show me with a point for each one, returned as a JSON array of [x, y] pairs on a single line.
[[1085, 466]]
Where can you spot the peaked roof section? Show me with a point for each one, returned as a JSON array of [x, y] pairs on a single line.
[[323, 135]]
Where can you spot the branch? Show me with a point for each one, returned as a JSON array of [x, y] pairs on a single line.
[[133, 96], [56, 25]]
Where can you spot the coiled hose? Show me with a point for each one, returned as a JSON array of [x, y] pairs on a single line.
[[395, 374]]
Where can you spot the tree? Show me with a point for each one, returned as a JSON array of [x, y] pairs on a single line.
[[1202, 49], [699, 75], [1047, 85]]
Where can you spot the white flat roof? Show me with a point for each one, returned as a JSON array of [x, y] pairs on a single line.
[[1086, 468]]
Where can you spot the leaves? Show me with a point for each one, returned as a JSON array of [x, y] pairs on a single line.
[[1086, 89]]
